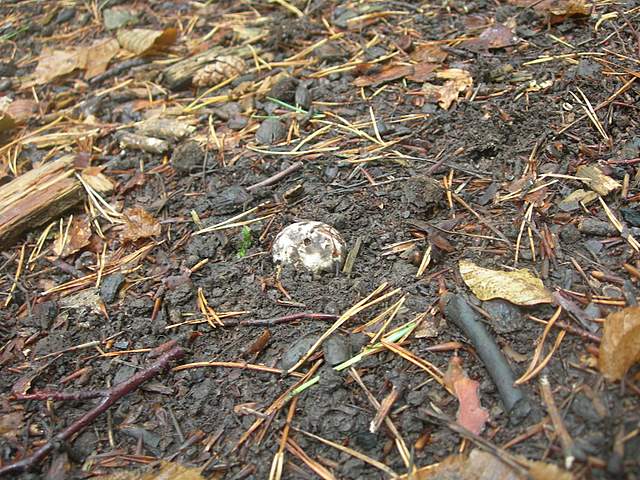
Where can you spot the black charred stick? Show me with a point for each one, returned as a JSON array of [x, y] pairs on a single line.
[[457, 310]]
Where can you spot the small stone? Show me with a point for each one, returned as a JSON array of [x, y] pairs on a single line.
[[336, 350], [284, 90], [187, 157], [631, 215], [296, 352], [110, 286], [423, 194], [271, 131], [592, 226], [42, 315], [329, 52], [303, 97], [7, 69], [505, 316], [570, 234], [237, 122]]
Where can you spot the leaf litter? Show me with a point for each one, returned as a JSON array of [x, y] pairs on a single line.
[[124, 132]]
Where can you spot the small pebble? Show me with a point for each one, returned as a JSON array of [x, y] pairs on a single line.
[[271, 131]]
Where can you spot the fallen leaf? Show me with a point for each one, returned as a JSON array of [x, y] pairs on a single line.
[[422, 71], [471, 414], [429, 53], [495, 36], [139, 224], [142, 41], [572, 201], [10, 424], [56, 63], [74, 239], [596, 180], [20, 110], [98, 56], [223, 68], [517, 286], [480, 465], [387, 74], [118, 17], [620, 346], [166, 471]]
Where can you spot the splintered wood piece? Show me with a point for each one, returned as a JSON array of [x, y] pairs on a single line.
[[36, 197]]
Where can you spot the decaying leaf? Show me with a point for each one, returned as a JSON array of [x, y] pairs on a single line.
[[429, 53], [572, 201], [98, 56], [93, 58], [596, 180], [471, 414], [118, 17], [56, 63], [620, 346], [457, 81], [11, 424], [495, 36], [73, 239], [166, 471], [517, 286], [480, 465], [387, 74], [223, 68], [142, 41], [139, 224]]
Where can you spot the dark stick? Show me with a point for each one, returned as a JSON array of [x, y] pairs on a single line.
[[457, 310], [276, 178], [266, 322], [114, 394], [117, 69]]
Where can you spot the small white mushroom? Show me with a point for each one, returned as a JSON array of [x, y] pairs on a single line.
[[313, 246]]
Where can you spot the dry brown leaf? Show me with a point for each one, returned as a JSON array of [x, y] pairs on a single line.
[[596, 180], [422, 71], [429, 53], [620, 346], [76, 238], [480, 465], [387, 74], [517, 286], [21, 110], [98, 56], [574, 199], [141, 41], [222, 69], [495, 36], [11, 424], [471, 415], [56, 63], [547, 471], [139, 224], [166, 471]]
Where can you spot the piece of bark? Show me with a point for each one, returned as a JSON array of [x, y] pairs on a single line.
[[37, 197], [180, 74]]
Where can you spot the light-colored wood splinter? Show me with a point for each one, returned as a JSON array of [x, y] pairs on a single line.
[[37, 197]]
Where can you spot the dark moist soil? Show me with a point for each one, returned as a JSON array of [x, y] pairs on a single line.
[[485, 140]]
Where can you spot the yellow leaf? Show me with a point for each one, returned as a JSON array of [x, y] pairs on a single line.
[[517, 286], [99, 54], [620, 346]]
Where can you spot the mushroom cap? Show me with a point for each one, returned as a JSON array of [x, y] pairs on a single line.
[[308, 245]]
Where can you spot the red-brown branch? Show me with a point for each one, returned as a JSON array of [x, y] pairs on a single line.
[[111, 396]]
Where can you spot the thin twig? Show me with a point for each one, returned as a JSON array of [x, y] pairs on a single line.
[[114, 394]]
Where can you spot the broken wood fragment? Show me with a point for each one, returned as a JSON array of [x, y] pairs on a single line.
[[37, 197]]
